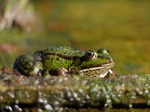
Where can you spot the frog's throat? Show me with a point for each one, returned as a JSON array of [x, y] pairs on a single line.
[[101, 71], [96, 68], [94, 71]]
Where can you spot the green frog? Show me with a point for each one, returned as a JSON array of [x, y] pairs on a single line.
[[63, 60]]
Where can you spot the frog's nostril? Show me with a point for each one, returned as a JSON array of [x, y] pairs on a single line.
[[111, 60], [103, 56]]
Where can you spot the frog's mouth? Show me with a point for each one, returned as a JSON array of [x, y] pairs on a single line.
[[99, 70]]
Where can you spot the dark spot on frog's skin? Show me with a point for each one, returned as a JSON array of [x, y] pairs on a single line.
[[102, 56], [51, 49], [42, 51], [75, 49], [47, 57], [58, 59]]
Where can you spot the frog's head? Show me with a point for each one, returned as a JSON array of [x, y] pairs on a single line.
[[95, 64]]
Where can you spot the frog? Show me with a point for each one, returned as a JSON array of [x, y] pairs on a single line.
[[66, 61]]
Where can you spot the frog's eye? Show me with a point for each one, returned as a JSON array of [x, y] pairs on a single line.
[[103, 50], [90, 55]]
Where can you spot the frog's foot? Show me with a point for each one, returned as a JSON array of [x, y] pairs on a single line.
[[110, 73]]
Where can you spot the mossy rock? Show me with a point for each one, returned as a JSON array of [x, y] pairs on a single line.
[[77, 93]]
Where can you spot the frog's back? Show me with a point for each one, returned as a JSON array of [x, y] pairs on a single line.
[[64, 50]]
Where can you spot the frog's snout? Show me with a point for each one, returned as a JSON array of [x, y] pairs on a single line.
[[111, 60]]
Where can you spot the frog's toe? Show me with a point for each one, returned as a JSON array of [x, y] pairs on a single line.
[[110, 73]]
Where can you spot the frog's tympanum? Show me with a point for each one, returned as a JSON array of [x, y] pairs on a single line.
[[65, 61]]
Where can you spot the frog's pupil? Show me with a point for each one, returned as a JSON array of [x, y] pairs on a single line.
[[89, 54]]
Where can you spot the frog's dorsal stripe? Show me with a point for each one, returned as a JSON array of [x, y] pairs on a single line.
[[63, 56]]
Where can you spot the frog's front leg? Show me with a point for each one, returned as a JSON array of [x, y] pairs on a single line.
[[60, 71], [110, 73]]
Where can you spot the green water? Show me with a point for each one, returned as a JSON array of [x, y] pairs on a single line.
[[120, 26]]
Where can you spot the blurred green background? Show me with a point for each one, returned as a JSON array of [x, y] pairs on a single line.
[[122, 26]]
